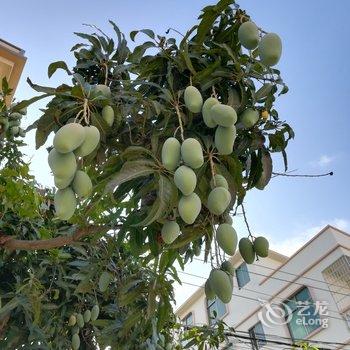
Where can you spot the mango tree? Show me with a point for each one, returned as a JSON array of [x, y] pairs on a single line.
[[154, 150]]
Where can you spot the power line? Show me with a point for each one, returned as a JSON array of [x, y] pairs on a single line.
[[246, 297], [293, 274], [300, 284], [288, 273], [292, 282], [271, 341]]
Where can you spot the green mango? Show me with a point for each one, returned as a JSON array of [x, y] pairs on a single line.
[[197, 250], [104, 281], [218, 200], [223, 115], [82, 184], [209, 293], [249, 117], [246, 249], [220, 181], [193, 99], [189, 208], [185, 179], [226, 237], [69, 137], [261, 246], [95, 311], [65, 203], [208, 104], [75, 342], [17, 116], [14, 123], [72, 320], [227, 267], [80, 320], [92, 139], [4, 124], [192, 153], [62, 182], [108, 115], [14, 130], [171, 153], [221, 284], [225, 139], [170, 231], [87, 316], [100, 90], [270, 49], [248, 35]]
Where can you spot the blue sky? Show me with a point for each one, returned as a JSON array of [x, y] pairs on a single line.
[[314, 64]]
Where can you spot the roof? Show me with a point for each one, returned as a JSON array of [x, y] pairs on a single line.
[[11, 47]]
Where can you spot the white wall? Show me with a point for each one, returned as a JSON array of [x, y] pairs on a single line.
[[304, 268]]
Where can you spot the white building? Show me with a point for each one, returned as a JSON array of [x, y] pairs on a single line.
[[285, 300]]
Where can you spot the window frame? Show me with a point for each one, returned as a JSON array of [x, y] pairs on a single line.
[[257, 343], [212, 321], [293, 298], [189, 314], [237, 273]]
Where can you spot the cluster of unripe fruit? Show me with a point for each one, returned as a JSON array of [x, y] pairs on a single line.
[[269, 47], [12, 124], [220, 281], [77, 321], [71, 142], [215, 114]]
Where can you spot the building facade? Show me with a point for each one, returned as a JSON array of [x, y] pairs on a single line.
[[280, 300]]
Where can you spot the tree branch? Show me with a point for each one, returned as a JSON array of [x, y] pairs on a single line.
[[10, 243]]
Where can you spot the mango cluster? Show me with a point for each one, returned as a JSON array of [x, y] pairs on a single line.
[[250, 250], [78, 321], [71, 142], [183, 158], [12, 124], [220, 283], [269, 47]]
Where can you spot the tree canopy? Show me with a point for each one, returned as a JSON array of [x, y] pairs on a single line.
[[112, 253]]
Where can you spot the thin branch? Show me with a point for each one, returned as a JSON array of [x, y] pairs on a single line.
[[246, 220], [303, 175], [10, 243]]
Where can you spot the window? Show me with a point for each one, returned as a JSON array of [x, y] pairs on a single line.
[[337, 275], [257, 336], [188, 320], [302, 315], [216, 309], [242, 275]]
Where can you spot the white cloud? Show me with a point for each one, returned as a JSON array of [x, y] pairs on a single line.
[[323, 161], [290, 245]]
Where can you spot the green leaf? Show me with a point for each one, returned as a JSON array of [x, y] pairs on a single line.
[[133, 152], [57, 65], [208, 18], [93, 40], [45, 125], [129, 171], [263, 91], [166, 199], [148, 32], [139, 51]]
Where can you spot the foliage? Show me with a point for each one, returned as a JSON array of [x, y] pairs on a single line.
[[133, 193]]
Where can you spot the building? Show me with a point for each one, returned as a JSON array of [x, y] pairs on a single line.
[[12, 61], [285, 300]]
